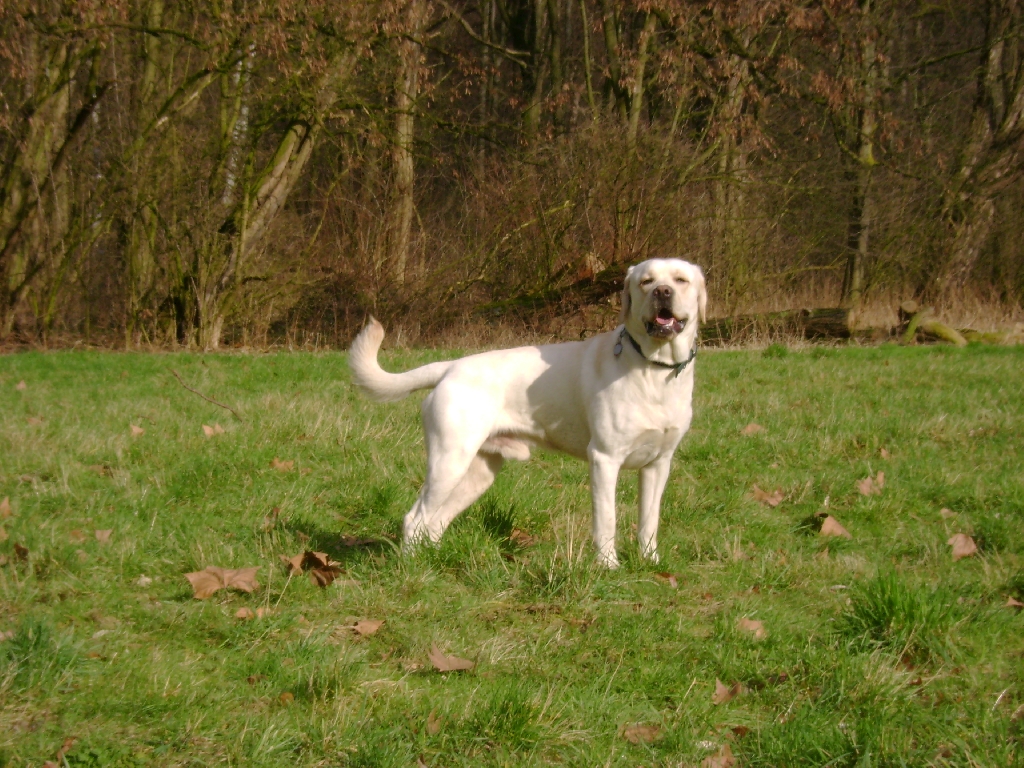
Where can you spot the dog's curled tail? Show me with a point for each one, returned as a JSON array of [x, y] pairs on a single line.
[[378, 383]]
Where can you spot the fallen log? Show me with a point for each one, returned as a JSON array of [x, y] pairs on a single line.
[[828, 323]]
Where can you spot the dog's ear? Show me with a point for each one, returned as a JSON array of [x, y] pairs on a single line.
[[702, 294], [626, 300]]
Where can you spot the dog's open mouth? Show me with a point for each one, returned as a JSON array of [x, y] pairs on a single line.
[[665, 324]]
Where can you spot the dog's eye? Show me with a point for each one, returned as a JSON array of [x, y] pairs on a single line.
[[647, 281], [682, 280]]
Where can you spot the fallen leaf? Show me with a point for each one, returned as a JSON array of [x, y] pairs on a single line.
[[21, 551], [444, 663], [103, 537], [263, 611], [5, 508], [522, 538], [137, 431], [1012, 602], [739, 731], [282, 466], [963, 546], [35, 421], [213, 578], [21, 385], [322, 570], [144, 581], [871, 486], [286, 698], [753, 626], [946, 514], [245, 613], [367, 627], [3, 560], [670, 578], [722, 759], [216, 429], [831, 527], [751, 429], [725, 693], [100, 469], [77, 536], [884, 454], [433, 723], [772, 499], [253, 679], [294, 563], [635, 734]]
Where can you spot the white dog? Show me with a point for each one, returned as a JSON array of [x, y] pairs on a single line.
[[619, 400]]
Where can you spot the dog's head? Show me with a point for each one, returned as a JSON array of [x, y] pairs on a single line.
[[663, 296]]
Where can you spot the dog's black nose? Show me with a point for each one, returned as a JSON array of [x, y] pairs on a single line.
[[663, 292]]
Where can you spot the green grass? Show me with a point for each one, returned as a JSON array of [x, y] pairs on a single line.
[[880, 649]]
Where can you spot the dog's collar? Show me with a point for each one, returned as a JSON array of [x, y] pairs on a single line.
[[676, 367]]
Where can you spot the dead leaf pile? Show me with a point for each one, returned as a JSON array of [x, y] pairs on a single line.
[[216, 429], [725, 693], [872, 486], [444, 663], [213, 578], [772, 499], [831, 527], [751, 429], [282, 466], [635, 734], [756, 628], [721, 759], [322, 570], [963, 546]]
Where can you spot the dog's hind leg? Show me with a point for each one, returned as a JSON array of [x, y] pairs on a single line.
[[478, 478]]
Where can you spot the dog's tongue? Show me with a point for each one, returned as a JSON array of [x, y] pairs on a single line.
[[664, 320]]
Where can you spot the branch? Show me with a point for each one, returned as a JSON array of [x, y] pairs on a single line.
[[207, 399], [511, 53]]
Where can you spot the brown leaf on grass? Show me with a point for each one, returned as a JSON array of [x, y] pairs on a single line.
[[35, 421], [77, 536], [5, 508], [245, 613], [946, 514], [21, 551], [100, 469], [282, 466], [367, 627], [209, 580], [1012, 602], [286, 698], [103, 537], [443, 663], [433, 723], [963, 546], [6, 635], [137, 431], [271, 520], [739, 731], [721, 759], [322, 570], [669, 578], [872, 486], [772, 499], [725, 693], [753, 626], [21, 385], [884, 454], [216, 429], [831, 527], [3, 560], [751, 429], [635, 734], [263, 611], [254, 679], [521, 538]]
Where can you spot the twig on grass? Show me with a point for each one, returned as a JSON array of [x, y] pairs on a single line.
[[207, 399]]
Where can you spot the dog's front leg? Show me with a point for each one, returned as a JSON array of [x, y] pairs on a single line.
[[653, 478], [604, 474]]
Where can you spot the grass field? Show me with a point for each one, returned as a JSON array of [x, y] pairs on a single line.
[[877, 650]]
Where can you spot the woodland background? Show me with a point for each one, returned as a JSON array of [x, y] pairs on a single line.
[[241, 173]]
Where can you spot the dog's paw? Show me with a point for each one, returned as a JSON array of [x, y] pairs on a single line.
[[611, 562]]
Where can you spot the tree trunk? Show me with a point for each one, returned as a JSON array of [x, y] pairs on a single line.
[[615, 93], [406, 93], [636, 96]]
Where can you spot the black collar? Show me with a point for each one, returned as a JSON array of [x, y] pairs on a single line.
[[676, 367]]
